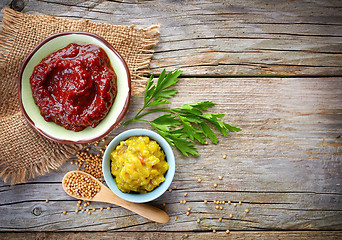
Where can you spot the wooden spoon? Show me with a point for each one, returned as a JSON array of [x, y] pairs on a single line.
[[106, 195]]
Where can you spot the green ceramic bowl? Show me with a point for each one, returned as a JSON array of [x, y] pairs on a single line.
[[50, 129]]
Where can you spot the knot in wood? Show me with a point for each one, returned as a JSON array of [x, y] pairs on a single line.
[[37, 211]]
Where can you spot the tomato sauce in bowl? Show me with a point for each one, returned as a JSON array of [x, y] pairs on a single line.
[[75, 86]]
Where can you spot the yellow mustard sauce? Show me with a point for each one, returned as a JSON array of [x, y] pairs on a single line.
[[138, 165]]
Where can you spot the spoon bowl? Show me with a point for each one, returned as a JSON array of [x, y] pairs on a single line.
[[106, 195]]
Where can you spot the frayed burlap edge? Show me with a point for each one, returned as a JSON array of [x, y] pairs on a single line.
[[8, 31]]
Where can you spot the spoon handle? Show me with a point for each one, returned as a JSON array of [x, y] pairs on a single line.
[[147, 211]]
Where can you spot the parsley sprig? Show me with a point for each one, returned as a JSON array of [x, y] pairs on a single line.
[[181, 125]]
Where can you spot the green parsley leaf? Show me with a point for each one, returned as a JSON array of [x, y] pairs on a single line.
[[183, 125]]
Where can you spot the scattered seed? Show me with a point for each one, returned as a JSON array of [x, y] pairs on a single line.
[[89, 213], [223, 202], [229, 202], [176, 218], [185, 194], [47, 200], [87, 210], [230, 215], [221, 207], [217, 207], [199, 180], [101, 209], [206, 143], [175, 187], [198, 220], [64, 212], [94, 209], [205, 201], [71, 162], [224, 156], [214, 231], [227, 231], [108, 208], [184, 202], [76, 211], [85, 205], [187, 213], [235, 204], [189, 209], [240, 202], [186, 235], [180, 201], [220, 177], [215, 185], [80, 207], [164, 204], [247, 210], [170, 189], [82, 210], [220, 219]]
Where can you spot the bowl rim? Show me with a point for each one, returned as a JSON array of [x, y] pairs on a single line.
[[65, 141], [155, 193]]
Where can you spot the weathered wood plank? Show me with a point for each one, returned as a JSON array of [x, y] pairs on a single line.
[[226, 38], [285, 166], [174, 235]]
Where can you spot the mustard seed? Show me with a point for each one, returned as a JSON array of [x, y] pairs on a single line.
[[187, 213], [176, 218], [175, 187], [235, 204], [47, 200], [220, 177], [220, 219], [224, 156], [185, 194], [199, 180], [94, 209], [240, 202], [230, 215], [101, 209], [80, 185], [89, 213], [64, 212], [229, 202], [247, 210], [170, 189], [215, 185], [76, 211], [108, 208], [164, 204], [186, 235], [221, 207], [205, 201], [227, 231], [217, 207], [82, 210], [189, 209], [198, 220], [214, 231]]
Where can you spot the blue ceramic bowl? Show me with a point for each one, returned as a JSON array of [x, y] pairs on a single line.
[[136, 197]]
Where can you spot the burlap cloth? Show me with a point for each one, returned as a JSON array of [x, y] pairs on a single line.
[[24, 153]]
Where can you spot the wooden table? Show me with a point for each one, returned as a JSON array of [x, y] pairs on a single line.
[[274, 68]]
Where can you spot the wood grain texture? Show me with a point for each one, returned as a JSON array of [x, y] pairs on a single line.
[[225, 37], [179, 235], [285, 166]]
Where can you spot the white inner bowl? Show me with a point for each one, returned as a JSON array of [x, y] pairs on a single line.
[[59, 133]]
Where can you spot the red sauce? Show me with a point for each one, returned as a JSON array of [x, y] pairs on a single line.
[[74, 86]]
